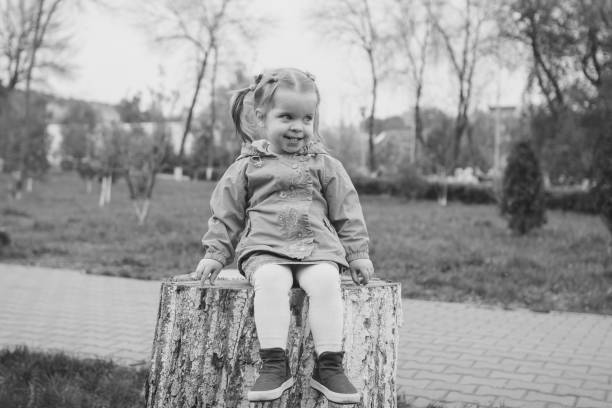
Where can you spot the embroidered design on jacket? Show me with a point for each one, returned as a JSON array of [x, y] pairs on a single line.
[[293, 225], [288, 219]]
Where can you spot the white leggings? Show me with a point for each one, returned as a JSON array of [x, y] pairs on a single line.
[[321, 282]]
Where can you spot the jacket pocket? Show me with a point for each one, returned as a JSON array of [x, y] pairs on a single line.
[[328, 225], [247, 228]]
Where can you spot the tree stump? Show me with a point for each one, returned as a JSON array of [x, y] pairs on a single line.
[[205, 350]]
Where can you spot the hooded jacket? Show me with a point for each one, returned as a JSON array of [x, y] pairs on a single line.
[[302, 206]]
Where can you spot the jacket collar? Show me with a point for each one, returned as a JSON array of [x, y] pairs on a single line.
[[261, 148]]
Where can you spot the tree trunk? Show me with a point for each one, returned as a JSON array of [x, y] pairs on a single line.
[[418, 126], [213, 115], [372, 157], [141, 207], [102, 199], [105, 190], [205, 350], [194, 100], [443, 191]]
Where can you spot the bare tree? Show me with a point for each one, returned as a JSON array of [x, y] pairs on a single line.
[[542, 27], [203, 25], [353, 22], [145, 152], [462, 33], [134, 151], [414, 26], [110, 156], [30, 40]]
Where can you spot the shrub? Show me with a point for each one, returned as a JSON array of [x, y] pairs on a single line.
[[464, 193], [67, 164], [87, 169], [571, 200], [413, 186], [522, 199], [409, 182], [5, 239], [372, 185], [200, 173], [603, 180]]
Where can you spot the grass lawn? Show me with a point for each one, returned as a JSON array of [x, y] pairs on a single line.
[[455, 253], [50, 380]]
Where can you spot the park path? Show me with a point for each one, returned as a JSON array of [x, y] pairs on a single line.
[[454, 353]]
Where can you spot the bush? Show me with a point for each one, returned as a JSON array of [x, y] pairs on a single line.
[[571, 200], [603, 180], [200, 173], [373, 185], [5, 239], [522, 199], [413, 186], [409, 182], [67, 164], [87, 169], [464, 193]]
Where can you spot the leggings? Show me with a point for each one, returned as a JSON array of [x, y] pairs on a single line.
[[321, 282]]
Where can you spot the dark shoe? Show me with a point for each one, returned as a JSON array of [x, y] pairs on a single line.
[[328, 378], [274, 376]]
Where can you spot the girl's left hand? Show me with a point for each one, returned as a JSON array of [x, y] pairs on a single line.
[[361, 271]]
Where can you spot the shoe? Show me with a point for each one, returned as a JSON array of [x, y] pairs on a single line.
[[274, 376], [329, 379]]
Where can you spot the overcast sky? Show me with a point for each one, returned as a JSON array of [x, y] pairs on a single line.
[[114, 58]]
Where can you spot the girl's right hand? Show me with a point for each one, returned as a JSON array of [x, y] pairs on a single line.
[[207, 268]]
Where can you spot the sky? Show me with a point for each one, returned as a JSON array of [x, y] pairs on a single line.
[[114, 58]]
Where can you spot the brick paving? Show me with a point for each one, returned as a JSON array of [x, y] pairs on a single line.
[[85, 315], [464, 353], [455, 354]]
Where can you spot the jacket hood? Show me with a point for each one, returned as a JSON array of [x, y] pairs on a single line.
[[261, 147]]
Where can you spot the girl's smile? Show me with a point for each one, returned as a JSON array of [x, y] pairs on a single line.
[[288, 124]]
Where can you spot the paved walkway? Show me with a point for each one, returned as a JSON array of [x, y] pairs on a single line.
[[449, 352]]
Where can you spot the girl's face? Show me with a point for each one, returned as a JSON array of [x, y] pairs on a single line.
[[288, 123]]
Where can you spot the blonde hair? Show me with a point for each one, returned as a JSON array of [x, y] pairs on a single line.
[[264, 87]]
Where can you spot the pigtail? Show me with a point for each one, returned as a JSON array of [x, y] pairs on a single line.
[[237, 103], [237, 106]]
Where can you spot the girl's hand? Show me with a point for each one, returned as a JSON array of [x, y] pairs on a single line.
[[361, 271], [206, 268]]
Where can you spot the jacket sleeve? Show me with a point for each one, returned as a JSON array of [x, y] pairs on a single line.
[[345, 211], [227, 205]]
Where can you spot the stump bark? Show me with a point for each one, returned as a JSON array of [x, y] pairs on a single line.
[[205, 350]]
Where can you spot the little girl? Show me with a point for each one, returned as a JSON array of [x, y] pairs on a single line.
[[288, 210]]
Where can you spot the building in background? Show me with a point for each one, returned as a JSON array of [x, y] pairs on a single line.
[[106, 115]]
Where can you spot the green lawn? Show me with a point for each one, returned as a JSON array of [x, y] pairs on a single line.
[[50, 380], [456, 253]]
